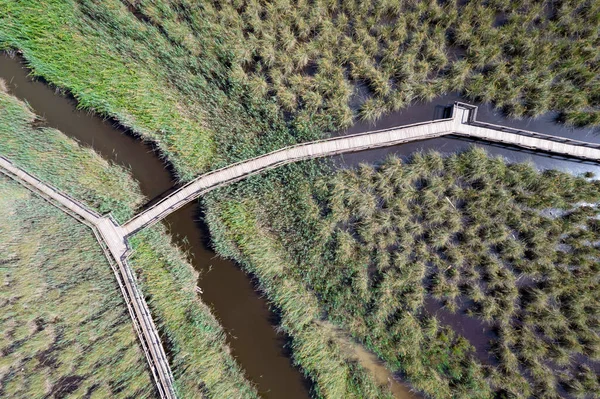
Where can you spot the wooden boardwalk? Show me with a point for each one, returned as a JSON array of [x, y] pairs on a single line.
[[113, 238], [467, 125], [112, 241], [463, 123]]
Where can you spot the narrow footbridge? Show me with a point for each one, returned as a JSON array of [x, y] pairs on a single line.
[[462, 123], [113, 238], [112, 241]]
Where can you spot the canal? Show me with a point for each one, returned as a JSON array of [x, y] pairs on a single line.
[[231, 294]]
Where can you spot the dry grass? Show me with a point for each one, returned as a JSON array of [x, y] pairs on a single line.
[[65, 328]]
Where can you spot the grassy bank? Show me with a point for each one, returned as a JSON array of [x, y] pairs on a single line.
[[198, 354], [66, 331], [51, 156], [322, 357], [212, 83], [503, 244]]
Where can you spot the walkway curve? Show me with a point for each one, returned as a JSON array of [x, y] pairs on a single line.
[[463, 123], [113, 238]]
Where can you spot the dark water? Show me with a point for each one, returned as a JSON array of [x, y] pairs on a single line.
[[240, 309], [478, 333], [434, 109]]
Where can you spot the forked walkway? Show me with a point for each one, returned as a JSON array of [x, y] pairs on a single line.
[[113, 238]]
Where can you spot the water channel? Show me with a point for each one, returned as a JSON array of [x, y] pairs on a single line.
[[244, 314]]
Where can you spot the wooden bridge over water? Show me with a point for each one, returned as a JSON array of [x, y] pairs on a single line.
[[113, 238], [463, 122]]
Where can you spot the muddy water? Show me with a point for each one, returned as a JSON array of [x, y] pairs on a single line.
[[241, 310], [105, 137]]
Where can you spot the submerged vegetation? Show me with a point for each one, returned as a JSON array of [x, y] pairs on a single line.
[[65, 330], [511, 247], [75, 280]]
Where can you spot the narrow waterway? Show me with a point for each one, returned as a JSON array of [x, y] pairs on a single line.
[[244, 314]]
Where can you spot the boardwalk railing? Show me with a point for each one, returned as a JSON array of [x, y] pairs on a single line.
[[315, 149], [113, 238], [472, 120]]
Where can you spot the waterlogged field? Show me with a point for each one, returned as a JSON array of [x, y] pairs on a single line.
[[512, 251], [54, 268], [65, 330]]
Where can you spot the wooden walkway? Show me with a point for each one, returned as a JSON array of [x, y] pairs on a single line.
[[467, 125], [463, 123], [113, 238]]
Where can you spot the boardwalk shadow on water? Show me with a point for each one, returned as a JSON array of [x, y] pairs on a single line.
[[243, 313]]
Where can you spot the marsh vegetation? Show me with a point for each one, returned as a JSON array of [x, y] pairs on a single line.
[[504, 244], [213, 82], [62, 335], [527, 57], [216, 82], [75, 280]]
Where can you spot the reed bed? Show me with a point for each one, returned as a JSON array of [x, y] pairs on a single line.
[[217, 82], [504, 244], [66, 327], [62, 334]]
